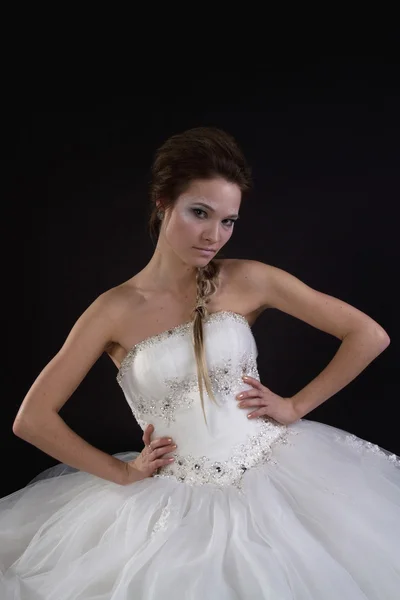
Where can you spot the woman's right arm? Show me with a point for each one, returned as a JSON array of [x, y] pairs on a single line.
[[38, 421]]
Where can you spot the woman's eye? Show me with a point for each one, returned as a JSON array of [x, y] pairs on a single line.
[[228, 222]]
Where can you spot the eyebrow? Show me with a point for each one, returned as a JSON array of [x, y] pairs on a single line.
[[233, 216]]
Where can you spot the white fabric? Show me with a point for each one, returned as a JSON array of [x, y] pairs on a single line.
[[310, 512]]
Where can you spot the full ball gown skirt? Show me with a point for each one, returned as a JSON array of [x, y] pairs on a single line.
[[250, 509]]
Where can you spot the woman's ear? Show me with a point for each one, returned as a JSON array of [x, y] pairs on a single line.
[[160, 204]]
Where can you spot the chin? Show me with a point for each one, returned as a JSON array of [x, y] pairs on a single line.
[[200, 260], [204, 260]]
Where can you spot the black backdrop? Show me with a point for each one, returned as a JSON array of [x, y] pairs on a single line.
[[323, 140]]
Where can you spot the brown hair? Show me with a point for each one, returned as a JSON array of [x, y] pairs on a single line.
[[199, 153]]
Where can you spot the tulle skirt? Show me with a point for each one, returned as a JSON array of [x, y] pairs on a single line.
[[318, 521]]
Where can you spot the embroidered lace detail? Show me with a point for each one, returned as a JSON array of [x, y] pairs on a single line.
[[162, 522], [179, 330], [364, 446], [257, 449], [226, 380], [178, 397]]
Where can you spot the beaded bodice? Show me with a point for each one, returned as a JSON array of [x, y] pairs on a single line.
[[159, 380]]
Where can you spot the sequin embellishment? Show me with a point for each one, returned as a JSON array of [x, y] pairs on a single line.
[[162, 522], [365, 446], [226, 379], [165, 408], [175, 331], [150, 341], [200, 470]]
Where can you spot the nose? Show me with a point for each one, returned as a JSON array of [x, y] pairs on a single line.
[[211, 234]]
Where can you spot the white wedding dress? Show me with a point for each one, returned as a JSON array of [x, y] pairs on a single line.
[[250, 509]]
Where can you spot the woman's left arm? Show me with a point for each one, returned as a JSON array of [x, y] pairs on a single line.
[[362, 338]]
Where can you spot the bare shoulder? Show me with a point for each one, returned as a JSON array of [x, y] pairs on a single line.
[[234, 270], [97, 328], [265, 282], [244, 276], [116, 300], [238, 288], [89, 337], [98, 321], [253, 274], [117, 303], [272, 287]]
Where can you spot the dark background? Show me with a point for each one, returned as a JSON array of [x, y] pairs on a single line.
[[323, 140]]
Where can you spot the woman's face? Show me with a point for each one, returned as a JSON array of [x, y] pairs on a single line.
[[202, 217]]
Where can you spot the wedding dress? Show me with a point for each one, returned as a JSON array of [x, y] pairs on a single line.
[[249, 509]]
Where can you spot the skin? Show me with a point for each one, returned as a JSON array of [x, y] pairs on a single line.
[[110, 323], [170, 276], [190, 224], [204, 216]]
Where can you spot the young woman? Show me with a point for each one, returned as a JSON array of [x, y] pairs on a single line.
[[235, 495]]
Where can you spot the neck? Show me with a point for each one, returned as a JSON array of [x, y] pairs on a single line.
[[167, 273]]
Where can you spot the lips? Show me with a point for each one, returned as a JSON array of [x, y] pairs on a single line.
[[208, 250]]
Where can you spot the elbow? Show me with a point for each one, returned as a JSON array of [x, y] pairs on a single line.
[[379, 339], [383, 338], [29, 426], [374, 336], [19, 427], [23, 428]]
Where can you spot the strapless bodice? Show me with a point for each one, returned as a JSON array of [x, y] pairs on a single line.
[[159, 379]]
